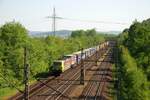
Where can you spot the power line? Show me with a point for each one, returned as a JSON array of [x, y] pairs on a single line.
[[89, 21], [93, 21], [54, 18]]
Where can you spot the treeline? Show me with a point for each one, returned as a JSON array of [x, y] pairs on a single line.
[[137, 40], [42, 51], [135, 63]]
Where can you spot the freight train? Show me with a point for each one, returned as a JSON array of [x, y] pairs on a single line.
[[69, 61]]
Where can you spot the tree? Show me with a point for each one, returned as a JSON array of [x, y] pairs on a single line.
[[137, 40], [91, 32], [133, 81], [77, 33], [13, 37]]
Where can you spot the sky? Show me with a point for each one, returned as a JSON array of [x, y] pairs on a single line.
[[32, 13]]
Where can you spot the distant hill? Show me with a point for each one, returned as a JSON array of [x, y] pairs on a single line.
[[110, 32], [61, 33]]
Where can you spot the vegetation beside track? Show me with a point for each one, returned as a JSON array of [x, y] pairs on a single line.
[[135, 61], [112, 85], [133, 82]]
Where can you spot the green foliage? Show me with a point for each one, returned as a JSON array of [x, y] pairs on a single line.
[[78, 33], [133, 81], [13, 37], [13, 34], [87, 38], [137, 39], [123, 37], [38, 57]]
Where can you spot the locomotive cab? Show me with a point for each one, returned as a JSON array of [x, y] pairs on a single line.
[[58, 67]]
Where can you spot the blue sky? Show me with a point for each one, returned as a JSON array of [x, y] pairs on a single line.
[[32, 13]]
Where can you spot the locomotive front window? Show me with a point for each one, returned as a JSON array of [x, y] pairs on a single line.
[[57, 64]]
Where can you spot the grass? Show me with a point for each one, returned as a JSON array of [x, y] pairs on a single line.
[[112, 89], [7, 92]]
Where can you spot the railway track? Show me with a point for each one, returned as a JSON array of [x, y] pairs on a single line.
[[42, 90], [101, 85], [63, 86], [95, 90], [65, 92]]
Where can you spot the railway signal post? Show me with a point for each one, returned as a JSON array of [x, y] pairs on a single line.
[[26, 76], [96, 57], [82, 69]]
